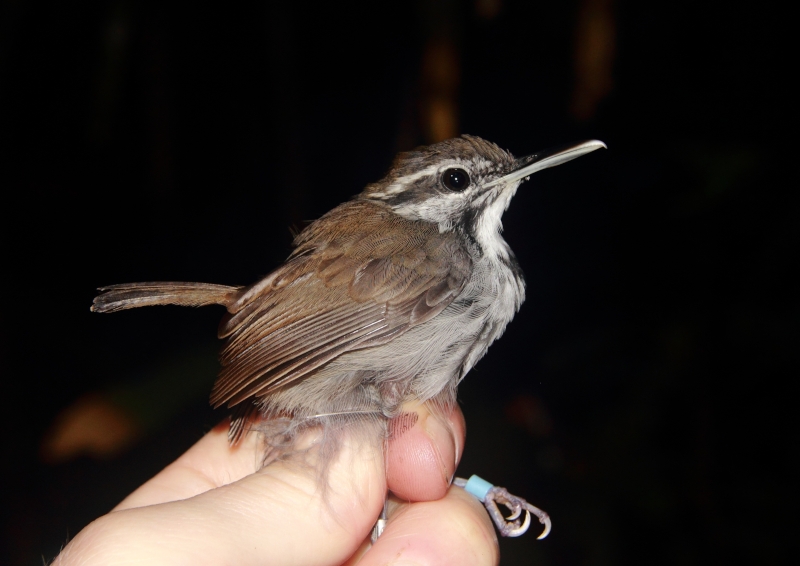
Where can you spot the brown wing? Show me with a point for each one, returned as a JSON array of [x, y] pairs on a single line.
[[354, 283]]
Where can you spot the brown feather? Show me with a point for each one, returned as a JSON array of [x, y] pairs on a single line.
[[367, 290], [241, 419], [131, 295]]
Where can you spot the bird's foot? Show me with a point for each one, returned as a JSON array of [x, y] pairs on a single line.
[[491, 495]]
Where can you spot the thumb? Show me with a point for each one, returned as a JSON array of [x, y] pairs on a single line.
[[424, 449]]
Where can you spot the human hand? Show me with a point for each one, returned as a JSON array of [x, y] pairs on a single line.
[[212, 506]]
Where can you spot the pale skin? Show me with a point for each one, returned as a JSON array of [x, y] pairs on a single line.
[[212, 507]]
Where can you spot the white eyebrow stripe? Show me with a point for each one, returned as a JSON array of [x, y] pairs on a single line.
[[403, 182], [474, 166]]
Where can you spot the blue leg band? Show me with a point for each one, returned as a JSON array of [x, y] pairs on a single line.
[[478, 487]]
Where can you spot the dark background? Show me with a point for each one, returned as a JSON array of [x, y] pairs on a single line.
[[642, 396]]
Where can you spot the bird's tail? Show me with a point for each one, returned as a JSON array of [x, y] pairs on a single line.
[[131, 295]]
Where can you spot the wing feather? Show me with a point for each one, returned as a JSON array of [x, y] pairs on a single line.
[[256, 362], [344, 288]]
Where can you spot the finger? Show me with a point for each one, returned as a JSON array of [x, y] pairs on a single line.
[[209, 464], [276, 516], [424, 451], [454, 530]]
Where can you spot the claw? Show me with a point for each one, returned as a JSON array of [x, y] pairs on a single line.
[[544, 519], [491, 495], [510, 526], [520, 530]]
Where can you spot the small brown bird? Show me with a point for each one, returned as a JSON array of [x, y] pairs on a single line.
[[390, 297]]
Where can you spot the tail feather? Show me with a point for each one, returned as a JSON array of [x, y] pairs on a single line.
[[131, 295], [241, 421]]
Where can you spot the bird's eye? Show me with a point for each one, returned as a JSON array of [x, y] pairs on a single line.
[[455, 179]]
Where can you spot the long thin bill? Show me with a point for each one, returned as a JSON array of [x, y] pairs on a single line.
[[548, 158]]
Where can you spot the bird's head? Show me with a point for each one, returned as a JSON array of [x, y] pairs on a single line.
[[463, 183]]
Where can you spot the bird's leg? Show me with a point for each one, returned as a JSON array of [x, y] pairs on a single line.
[[491, 495], [380, 524]]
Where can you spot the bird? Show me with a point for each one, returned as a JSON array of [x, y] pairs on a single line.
[[392, 296]]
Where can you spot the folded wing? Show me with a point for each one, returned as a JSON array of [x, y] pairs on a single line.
[[355, 283]]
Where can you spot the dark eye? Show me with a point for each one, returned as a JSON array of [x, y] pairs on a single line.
[[455, 179]]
